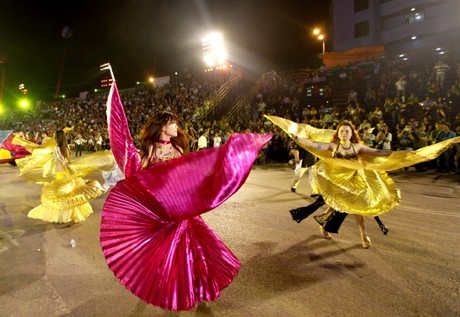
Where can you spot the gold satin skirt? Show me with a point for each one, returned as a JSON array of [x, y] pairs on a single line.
[[354, 191], [65, 195], [66, 200]]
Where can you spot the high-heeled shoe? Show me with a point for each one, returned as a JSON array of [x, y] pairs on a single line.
[[367, 243], [324, 233]]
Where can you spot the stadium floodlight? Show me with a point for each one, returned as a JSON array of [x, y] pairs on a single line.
[[24, 103], [104, 66], [209, 60], [214, 52]]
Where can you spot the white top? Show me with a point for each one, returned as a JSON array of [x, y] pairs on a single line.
[[217, 141], [202, 142]]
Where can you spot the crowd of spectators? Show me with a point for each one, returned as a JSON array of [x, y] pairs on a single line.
[[394, 104]]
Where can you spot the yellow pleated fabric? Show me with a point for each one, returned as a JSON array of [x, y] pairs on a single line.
[[357, 186], [66, 200], [356, 191], [76, 214], [5, 154], [65, 195], [39, 167]]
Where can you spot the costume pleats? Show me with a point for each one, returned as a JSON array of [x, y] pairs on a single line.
[[152, 236]]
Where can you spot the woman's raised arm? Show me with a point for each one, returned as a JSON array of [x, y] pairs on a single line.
[[308, 143]]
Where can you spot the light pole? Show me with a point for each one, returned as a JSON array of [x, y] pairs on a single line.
[[321, 37], [3, 60]]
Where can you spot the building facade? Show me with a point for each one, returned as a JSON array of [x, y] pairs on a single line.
[[402, 26]]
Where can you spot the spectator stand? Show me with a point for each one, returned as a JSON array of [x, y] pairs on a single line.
[[215, 106]]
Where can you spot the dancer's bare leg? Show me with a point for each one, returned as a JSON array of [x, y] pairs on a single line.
[[324, 233], [365, 239]]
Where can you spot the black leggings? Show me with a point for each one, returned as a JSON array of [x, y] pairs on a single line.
[[331, 220]]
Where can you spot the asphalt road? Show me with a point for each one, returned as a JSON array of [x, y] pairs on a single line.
[[287, 269]]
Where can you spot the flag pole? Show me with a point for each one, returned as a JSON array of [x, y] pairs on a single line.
[[109, 67]]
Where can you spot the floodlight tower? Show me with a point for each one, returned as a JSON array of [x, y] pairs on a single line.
[[214, 52], [3, 60]]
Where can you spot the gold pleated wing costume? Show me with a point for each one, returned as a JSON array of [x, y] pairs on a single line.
[[39, 167], [357, 186], [65, 195]]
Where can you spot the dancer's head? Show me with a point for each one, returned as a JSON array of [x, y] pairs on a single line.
[[163, 126], [61, 142], [160, 125], [345, 132], [59, 135]]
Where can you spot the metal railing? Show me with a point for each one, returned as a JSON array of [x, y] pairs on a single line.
[[215, 100], [250, 95]]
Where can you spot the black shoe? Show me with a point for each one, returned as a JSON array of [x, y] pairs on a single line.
[[293, 189], [301, 213], [384, 229], [297, 214]]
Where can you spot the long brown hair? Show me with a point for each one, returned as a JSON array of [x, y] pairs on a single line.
[[152, 130], [61, 142], [355, 138]]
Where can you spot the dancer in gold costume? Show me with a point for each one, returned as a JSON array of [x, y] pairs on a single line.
[[350, 176], [65, 195]]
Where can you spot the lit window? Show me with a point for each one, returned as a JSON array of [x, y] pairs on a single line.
[[414, 17]]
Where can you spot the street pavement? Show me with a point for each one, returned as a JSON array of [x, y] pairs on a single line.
[[287, 269]]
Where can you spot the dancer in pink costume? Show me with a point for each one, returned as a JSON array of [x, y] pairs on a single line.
[[9, 152], [152, 236]]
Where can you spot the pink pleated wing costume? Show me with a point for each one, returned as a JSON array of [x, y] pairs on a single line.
[[152, 236]]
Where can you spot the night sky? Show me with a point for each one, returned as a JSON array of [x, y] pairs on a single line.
[[147, 38]]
